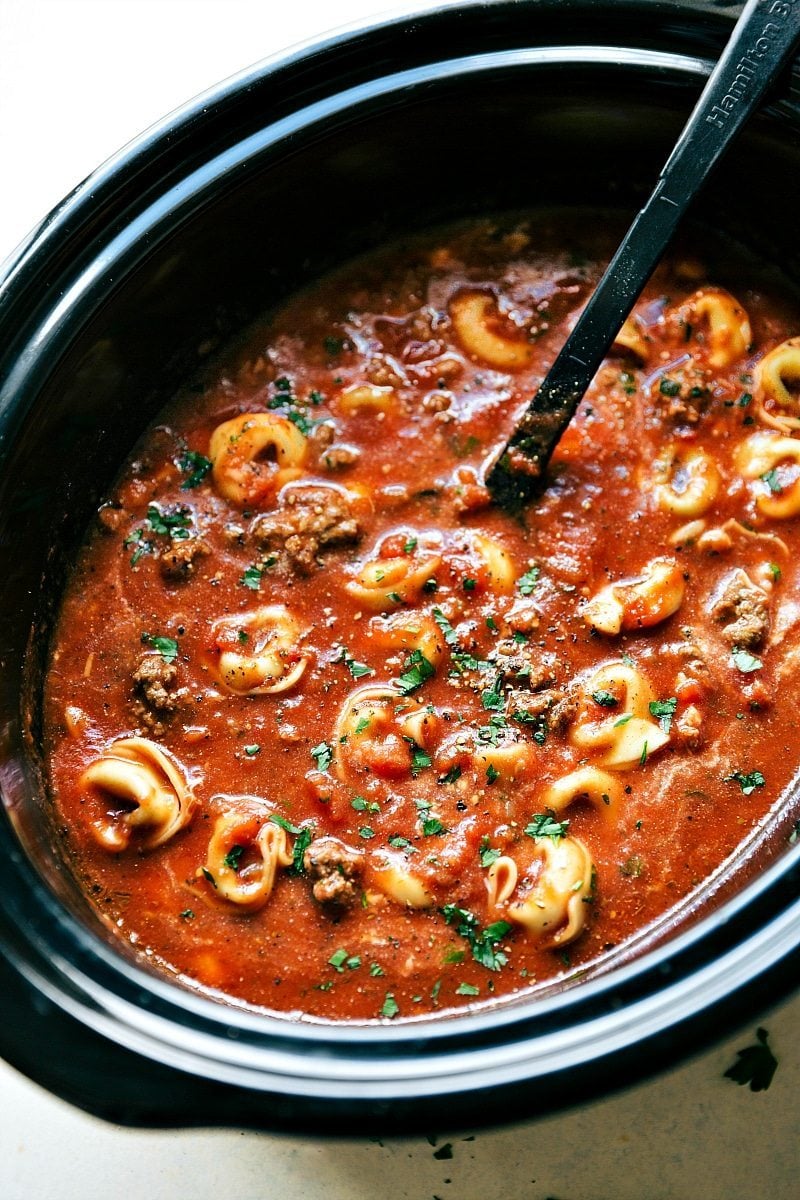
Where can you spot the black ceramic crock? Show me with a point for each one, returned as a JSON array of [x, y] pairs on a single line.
[[216, 214]]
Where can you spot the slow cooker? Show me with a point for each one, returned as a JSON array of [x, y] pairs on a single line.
[[214, 215]]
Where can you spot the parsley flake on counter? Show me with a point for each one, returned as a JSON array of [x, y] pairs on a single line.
[[527, 582], [744, 661], [390, 1008], [755, 1066], [544, 825], [166, 647], [195, 466], [747, 782], [322, 755]]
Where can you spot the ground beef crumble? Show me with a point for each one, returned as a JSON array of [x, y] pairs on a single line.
[[742, 607], [177, 561], [335, 870], [308, 521], [154, 698]]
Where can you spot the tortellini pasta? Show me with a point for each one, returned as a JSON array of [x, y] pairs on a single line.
[[367, 397], [149, 795], [549, 902], [410, 631], [602, 790], [391, 875], [258, 653], [254, 455], [631, 339], [775, 462], [243, 857], [377, 730], [388, 581], [728, 334], [686, 481], [476, 319], [625, 735], [777, 405], [637, 603]]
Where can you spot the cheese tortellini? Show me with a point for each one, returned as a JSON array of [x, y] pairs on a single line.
[[549, 899], [773, 378], [725, 322], [376, 731], [637, 603], [243, 857], [391, 876], [625, 735], [258, 653], [146, 791], [476, 321], [602, 790], [254, 455], [686, 481], [387, 581], [775, 462]]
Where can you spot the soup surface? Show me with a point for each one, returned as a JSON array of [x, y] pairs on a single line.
[[328, 733]]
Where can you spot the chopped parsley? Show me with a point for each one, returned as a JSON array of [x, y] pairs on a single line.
[[376, 970], [544, 825], [468, 584], [169, 524], [419, 758], [431, 826], [770, 478], [252, 577], [483, 943], [492, 773], [775, 571], [527, 582], [410, 546], [486, 854], [450, 776], [234, 857], [357, 669], [333, 345], [366, 832], [401, 843], [252, 750], [605, 699], [669, 387], [362, 805], [755, 1065], [303, 836], [463, 989], [449, 634], [322, 755], [195, 466], [748, 782], [664, 711], [166, 647], [390, 1008], [417, 669], [492, 699], [187, 914], [337, 960], [744, 661]]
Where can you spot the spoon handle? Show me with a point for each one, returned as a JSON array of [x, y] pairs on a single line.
[[761, 43]]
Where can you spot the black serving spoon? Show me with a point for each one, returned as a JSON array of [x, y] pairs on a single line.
[[763, 39]]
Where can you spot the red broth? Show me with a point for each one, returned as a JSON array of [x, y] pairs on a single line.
[[330, 734]]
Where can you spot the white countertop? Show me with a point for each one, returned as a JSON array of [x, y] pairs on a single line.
[[78, 78]]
